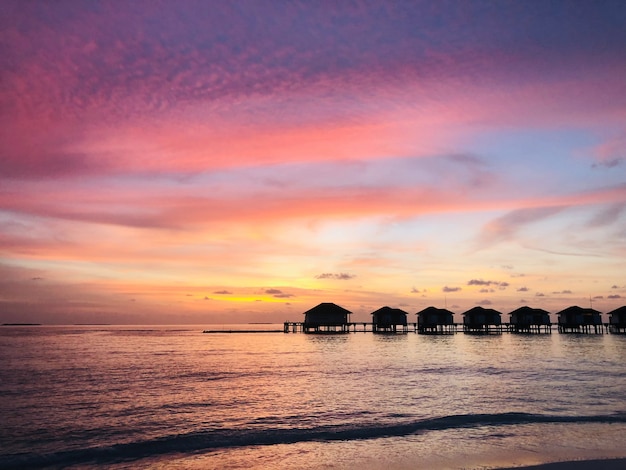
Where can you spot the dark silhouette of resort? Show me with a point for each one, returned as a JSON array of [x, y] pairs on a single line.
[[328, 317], [617, 320]]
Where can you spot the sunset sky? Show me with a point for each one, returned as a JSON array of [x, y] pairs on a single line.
[[225, 162]]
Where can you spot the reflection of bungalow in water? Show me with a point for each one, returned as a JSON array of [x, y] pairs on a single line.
[[617, 320], [435, 320], [326, 318], [579, 320], [482, 320], [387, 319], [530, 320]]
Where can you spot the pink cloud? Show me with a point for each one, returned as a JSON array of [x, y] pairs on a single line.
[[611, 153], [507, 226], [141, 90]]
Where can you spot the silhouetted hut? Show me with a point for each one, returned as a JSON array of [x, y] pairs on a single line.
[[579, 320], [387, 319], [617, 320], [530, 320], [435, 321], [482, 320], [326, 317]]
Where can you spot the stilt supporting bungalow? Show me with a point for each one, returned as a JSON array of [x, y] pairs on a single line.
[[580, 320], [389, 320], [482, 320], [530, 320], [434, 320], [617, 320], [326, 318]]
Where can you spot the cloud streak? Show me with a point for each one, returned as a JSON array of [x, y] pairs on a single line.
[[336, 276]]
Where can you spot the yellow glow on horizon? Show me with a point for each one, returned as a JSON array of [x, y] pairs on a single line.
[[251, 298]]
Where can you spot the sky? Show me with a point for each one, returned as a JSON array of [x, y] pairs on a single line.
[[229, 162]]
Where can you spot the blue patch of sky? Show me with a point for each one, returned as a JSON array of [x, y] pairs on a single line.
[[550, 161]]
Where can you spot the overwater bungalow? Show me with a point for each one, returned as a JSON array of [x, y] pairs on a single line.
[[617, 320], [387, 320], [435, 320], [482, 320], [326, 317], [530, 320], [576, 319]]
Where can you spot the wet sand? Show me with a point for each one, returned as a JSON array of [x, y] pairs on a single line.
[[598, 464]]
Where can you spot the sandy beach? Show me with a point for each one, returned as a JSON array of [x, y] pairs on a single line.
[[598, 464]]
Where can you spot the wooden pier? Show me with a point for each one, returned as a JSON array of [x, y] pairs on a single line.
[[352, 327], [368, 327], [365, 327]]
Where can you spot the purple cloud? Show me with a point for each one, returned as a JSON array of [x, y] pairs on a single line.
[[480, 282], [614, 296], [222, 292], [278, 293], [611, 163], [485, 302], [523, 289], [607, 216], [451, 289], [338, 276]]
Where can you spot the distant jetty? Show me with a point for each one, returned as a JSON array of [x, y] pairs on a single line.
[[243, 331], [21, 324]]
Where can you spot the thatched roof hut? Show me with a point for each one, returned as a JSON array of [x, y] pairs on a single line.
[[482, 319], [526, 319], [577, 319], [326, 317], [388, 319], [435, 320]]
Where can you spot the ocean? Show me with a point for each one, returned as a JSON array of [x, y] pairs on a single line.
[[173, 397]]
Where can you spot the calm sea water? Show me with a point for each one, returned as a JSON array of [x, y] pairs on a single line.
[[173, 397]]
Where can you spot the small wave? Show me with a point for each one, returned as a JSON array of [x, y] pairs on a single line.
[[208, 440]]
